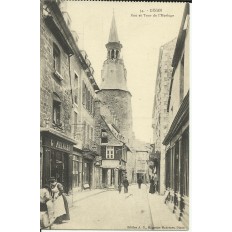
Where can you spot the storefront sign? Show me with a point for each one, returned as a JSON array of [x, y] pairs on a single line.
[[60, 145]]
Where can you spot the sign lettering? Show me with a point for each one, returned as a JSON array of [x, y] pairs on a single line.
[[60, 145]]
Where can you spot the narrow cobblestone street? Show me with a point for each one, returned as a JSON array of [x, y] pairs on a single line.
[[110, 210]]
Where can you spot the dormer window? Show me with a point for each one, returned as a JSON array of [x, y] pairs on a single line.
[[104, 136]]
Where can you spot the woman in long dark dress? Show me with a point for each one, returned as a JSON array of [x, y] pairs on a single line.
[[152, 186]]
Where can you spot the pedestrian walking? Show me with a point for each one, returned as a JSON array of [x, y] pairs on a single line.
[[61, 210], [125, 184], [119, 187], [156, 183], [45, 196], [140, 181], [152, 186]]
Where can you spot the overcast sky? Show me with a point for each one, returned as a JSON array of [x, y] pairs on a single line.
[[141, 38]]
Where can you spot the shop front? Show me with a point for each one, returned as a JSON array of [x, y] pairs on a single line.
[[77, 170], [111, 173], [177, 164], [108, 177], [56, 156], [88, 170]]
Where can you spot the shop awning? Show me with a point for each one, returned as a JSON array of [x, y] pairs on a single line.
[[58, 134]]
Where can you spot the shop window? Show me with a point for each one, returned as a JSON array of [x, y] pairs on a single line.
[[76, 171], [58, 166], [104, 136], [79, 173], [110, 152], [56, 58], [53, 164]]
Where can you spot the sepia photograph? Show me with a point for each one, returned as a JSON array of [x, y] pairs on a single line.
[[114, 115]]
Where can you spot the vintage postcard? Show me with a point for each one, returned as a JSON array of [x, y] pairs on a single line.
[[114, 115]]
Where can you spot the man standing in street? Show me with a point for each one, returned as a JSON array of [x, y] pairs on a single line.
[[140, 181], [125, 184]]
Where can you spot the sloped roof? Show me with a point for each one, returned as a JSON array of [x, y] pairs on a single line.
[[120, 143]]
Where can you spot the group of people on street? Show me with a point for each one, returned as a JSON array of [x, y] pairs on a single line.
[[153, 184], [53, 204]]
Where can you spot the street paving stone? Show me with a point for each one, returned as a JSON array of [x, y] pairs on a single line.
[[135, 210]]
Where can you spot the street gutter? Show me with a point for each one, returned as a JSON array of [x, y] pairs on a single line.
[[152, 224]]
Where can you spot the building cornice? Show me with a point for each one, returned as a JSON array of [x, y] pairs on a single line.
[[58, 134]]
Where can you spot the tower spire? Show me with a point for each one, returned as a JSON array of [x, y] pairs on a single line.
[[114, 71], [113, 37]]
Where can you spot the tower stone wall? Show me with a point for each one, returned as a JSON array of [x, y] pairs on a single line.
[[119, 102]]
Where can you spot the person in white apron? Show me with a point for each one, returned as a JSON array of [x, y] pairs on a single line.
[[61, 211]]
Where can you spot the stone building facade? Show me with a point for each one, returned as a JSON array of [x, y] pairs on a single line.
[[177, 139], [159, 113], [67, 88], [56, 99]]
